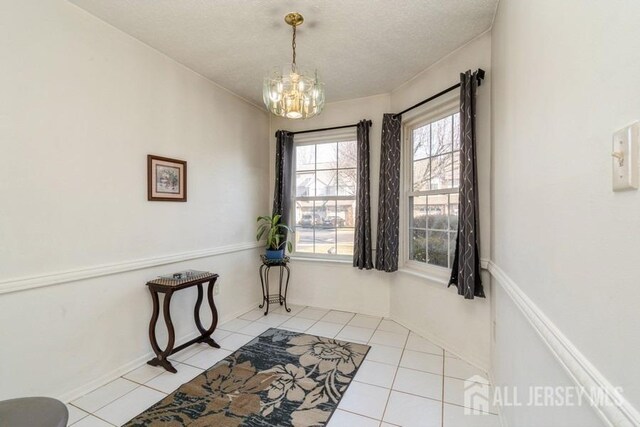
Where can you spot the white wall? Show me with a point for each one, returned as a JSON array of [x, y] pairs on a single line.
[[339, 285], [428, 306], [565, 78], [82, 106]]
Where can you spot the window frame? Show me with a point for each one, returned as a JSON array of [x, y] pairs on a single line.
[[328, 137], [447, 105]]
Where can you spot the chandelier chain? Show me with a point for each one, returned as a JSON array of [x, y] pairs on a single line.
[[293, 44]]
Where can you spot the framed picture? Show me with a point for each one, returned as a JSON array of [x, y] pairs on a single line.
[[166, 179]]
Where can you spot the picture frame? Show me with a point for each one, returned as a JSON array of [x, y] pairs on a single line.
[[166, 179]]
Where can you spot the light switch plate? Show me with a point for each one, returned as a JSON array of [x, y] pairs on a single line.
[[625, 161]]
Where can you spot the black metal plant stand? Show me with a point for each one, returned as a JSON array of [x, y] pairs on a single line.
[[280, 298]]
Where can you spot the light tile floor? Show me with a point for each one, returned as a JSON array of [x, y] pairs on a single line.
[[405, 379]]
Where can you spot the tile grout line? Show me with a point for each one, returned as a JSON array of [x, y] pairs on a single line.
[[77, 407], [108, 403], [442, 405], [403, 392], [386, 405], [139, 385], [343, 326], [355, 413]]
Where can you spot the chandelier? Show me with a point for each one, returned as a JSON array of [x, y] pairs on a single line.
[[293, 93]]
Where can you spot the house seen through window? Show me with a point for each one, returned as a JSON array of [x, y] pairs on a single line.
[[325, 192]]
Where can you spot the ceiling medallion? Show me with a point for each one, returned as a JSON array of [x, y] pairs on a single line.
[[293, 93]]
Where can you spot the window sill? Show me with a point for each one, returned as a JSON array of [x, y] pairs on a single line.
[[347, 261], [436, 277]]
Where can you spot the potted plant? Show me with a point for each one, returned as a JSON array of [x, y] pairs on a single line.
[[274, 231]]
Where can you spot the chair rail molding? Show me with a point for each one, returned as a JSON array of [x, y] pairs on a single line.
[[583, 373], [83, 273]]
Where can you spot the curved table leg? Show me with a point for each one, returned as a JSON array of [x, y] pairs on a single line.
[[154, 322], [196, 311], [266, 280], [206, 334], [264, 294], [161, 358], [286, 287]]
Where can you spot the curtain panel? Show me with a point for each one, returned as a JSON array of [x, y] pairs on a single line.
[[362, 246], [387, 242], [465, 273], [283, 170]]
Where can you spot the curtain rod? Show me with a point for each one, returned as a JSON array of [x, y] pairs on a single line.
[[480, 77], [331, 128]]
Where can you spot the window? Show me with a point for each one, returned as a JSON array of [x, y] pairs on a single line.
[[431, 187], [325, 197]]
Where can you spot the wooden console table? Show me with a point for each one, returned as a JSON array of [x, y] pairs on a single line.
[[168, 286]]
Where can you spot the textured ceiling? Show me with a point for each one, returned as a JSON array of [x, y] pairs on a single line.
[[360, 47]]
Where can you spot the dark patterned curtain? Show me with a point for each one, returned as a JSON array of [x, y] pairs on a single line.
[[465, 273], [282, 189], [389, 204], [362, 257]]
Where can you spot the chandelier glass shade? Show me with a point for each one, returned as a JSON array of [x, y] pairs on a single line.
[[291, 92]]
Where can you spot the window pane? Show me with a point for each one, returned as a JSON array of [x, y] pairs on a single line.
[[327, 156], [453, 211], [456, 131], [305, 184], [438, 212], [441, 137], [421, 142], [325, 241], [345, 241], [305, 157], [304, 213], [441, 172], [435, 166], [304, 226], [324, 208], [452, 246], [325, 226], [326, 183], [347, 182], [438, 248], [345, 215], [418, 209], [421, 175], [347, 154], [417, 247], [304, 240], [456, 169]]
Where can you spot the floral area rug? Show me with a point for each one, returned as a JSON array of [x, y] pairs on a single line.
[[281, 378]]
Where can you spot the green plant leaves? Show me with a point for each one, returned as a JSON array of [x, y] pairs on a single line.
[[274, 231]]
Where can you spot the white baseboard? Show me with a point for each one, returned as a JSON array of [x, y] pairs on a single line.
[[583, 373], [60, 277], [88, 387], [365, 312]]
